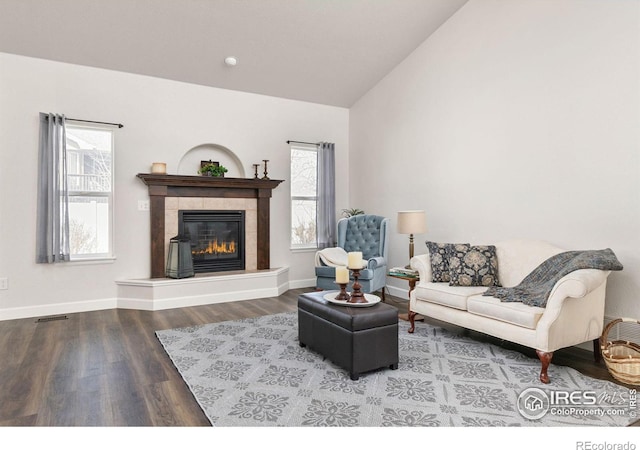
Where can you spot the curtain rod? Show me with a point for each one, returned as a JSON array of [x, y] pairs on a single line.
[[119, 125], [301, 142]]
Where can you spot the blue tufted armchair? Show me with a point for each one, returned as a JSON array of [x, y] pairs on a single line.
[[364, 233]]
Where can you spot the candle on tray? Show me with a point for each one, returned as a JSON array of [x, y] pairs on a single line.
[[355, 260], [342, 275]]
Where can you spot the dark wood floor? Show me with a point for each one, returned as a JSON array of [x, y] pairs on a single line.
[[107, 368]]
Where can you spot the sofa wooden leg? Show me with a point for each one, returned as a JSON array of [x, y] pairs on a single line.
[[545, 359], [412, 321], [597, 351]]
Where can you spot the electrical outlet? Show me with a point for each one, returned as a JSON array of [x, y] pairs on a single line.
[[143, 205], [4, 283]]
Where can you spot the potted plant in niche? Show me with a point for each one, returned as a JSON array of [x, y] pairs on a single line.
[[212, 169]]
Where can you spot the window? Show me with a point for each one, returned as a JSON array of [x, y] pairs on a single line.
[[304, 196], [90, 185]]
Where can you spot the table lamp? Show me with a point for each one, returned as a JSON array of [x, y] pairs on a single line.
[[411, 222]]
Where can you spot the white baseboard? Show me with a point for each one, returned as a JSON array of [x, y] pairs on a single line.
[[398, 292], [57, 309], [301, 284]]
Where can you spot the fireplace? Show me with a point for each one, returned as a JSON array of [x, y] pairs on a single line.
[[217, 238], [170, 193]]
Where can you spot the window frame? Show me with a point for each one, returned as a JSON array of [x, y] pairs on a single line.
[[314, 198], [110, 196]]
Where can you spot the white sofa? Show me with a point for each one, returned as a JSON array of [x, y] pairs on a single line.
[[574, 312]]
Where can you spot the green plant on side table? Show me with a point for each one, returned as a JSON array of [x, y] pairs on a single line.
[[213, 170]]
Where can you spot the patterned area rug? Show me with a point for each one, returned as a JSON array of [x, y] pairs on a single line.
[[252, 372]]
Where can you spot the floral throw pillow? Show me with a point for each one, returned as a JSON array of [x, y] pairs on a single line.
[[473, 265], [439, 261]]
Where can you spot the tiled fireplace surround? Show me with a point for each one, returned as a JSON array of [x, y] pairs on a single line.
[[170, 193]]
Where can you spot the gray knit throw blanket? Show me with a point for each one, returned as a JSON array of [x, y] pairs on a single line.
[[536, 287]]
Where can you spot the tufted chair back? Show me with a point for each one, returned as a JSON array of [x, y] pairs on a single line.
[[364, 233]]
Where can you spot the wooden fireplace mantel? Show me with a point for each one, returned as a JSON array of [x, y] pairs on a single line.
[[162, 186]]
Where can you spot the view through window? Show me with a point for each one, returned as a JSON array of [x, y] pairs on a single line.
[[90, 184], [304, 175]]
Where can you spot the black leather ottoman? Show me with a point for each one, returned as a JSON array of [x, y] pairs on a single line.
[[355, 338]]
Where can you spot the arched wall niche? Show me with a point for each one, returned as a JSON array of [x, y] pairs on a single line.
[[190, 162]]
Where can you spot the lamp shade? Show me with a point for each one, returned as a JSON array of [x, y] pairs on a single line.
[[412, 222]]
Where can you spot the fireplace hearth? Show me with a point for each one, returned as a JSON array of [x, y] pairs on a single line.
[[216, 237]]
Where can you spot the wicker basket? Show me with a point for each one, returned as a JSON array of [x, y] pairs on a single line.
[[622, 357]]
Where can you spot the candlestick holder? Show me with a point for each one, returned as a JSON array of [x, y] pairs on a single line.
[[343, 294], [255, 171], [357, 296], [265, 177]]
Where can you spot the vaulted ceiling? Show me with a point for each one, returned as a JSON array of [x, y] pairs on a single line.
[[323, 51]]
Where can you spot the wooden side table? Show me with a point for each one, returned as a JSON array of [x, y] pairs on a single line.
[[412, 285]]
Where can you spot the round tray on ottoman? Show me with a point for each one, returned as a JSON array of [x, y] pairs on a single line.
[[371, 300]]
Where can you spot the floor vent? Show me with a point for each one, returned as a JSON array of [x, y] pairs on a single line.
[[51, 318]]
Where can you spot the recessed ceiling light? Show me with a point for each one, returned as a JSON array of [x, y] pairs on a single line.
[[230, 61]]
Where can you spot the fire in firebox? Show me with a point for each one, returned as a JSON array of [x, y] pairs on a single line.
[[216, 248]]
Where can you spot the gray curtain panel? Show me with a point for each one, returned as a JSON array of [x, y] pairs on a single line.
[[52, 229], [326, 206]]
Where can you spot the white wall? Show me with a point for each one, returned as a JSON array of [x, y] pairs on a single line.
[[516, 119], [162, 121]]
